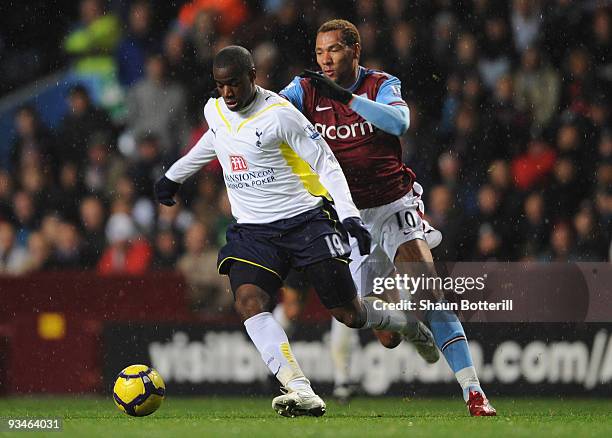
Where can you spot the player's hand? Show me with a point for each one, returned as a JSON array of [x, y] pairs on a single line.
[[165, 189], [328, 87], [357, 229]]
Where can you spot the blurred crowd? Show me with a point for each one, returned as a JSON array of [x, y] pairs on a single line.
[[510, 130]]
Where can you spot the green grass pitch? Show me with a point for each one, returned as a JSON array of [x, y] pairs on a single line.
[[364, 417]]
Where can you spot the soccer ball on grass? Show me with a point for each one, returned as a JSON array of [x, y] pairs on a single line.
[[139, 390]]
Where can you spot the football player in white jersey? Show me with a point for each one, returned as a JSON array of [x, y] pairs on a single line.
[[281, 177]]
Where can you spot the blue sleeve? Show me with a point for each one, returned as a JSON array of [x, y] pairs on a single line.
[[390, 92], [389, 112], [294, 93], [393, 119]]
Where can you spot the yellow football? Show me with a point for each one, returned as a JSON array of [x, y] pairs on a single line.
[[139, 390]]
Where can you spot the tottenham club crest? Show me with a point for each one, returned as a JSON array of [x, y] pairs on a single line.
[[311, 132], [258, 133]]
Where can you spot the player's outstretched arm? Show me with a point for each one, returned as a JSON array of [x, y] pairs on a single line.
[[201, 154], [389, 112]]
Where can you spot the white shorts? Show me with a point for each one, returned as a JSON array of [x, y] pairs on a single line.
[[391, 225]]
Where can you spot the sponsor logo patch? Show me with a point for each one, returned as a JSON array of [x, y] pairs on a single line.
[[238, 163]]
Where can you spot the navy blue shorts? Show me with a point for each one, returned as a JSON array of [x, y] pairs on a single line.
[[307, 238]]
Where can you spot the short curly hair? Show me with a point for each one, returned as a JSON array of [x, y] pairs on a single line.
[[350, 34]]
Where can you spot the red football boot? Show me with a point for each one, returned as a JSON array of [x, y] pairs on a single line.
[[479, 405]]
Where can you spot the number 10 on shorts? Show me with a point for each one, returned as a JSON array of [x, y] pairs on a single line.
[[405, 219]]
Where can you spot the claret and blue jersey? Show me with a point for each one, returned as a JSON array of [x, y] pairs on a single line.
[[368, 150]]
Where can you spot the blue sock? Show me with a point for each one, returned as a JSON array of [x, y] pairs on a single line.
[[450, 339]]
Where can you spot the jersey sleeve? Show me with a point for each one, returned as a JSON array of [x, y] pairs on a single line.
[[202, 153], [390, 92], [304, 139], [294, 93]]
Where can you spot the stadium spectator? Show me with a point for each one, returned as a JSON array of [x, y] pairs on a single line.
[[179, 62], [489, 214], [537, 88], [508, 124], [600, 46], [103, 167], [35, 184], [24, 216], [534, 229], [156, 105], [34, 143], [176, 219], [442, 216], [496, 51], [560, 245], [224, 218], [93, 40], [579, 84], [49, 228], [565, 15], [562, 195], [13, 257], [287, 22], [444, 34], [530, 168], [526, 22], [148, 166], [6, 193], [139, 42], [39, 252], [202, 36], [92, 220], [165, 250], [466, 54], [80, 123], [488, 244], [66, 198], [590, 242], [208, 291], [66, 253], [127, 253], [266, 57], [229, 14]]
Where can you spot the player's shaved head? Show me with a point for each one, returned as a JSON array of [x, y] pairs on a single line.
[[236, 58], [234, 73]]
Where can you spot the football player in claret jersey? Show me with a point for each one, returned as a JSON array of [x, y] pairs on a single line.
[[361, 113], [278, 171]]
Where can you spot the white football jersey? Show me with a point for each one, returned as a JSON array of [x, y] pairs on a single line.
[[275, 164]]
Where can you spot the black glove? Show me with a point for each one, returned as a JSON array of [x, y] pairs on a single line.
[[165, 189], [357, 229], [328, 87]]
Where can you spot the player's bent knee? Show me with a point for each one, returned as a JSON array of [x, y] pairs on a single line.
[[388, 339], [251, 300], [253, 289]]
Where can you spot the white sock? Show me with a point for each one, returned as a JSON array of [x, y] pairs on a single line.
[[273, 345], [467, 378], [280, 315], [381, 318], [343, 340]]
